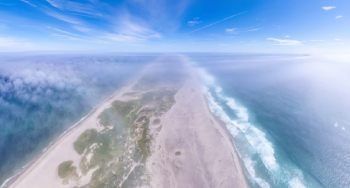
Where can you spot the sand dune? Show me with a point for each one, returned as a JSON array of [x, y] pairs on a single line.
[[189, 147]]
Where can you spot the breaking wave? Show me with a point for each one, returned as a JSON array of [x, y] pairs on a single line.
[[253, 143]]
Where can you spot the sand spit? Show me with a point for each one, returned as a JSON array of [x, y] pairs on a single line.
[[43, 173], [193, 149], [169, 139]]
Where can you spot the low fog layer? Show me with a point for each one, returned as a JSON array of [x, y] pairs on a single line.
[[41, 96]]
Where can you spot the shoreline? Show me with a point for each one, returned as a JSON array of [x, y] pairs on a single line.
[[28, 167], [195, 149], [11, 182], [197, 155], [228, 137], [46, 149]]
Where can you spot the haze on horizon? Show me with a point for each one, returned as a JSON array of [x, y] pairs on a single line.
[[312, 27], [163, 93]]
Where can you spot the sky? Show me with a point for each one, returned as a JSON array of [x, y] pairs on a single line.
[[242, 26]]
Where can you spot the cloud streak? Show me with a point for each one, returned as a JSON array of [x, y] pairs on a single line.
[[231, 31], [284, 42], [339, 16], [328, 8], [193, 22], [62, 17], [216, 22], [131, 29], [71, 6], [254, 29], [29, 3]]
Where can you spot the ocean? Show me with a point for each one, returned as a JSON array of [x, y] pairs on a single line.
[[288, 115], [42, 96]]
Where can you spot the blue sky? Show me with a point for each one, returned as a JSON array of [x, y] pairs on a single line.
[[270, 26]]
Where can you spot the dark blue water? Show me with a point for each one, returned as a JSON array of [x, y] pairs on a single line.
[[289, 116], [41, 96]]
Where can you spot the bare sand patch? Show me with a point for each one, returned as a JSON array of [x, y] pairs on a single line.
[[188, 145]]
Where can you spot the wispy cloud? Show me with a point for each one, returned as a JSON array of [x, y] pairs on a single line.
[[316, 40], [162, 14], [72, 36], [62, 31], [231, 31], [137, 29], [328, 8], [254, 29], [193, 22], [129, 29], [336, 39], [66, 37], [216, 22], [339, 16], [62, 17], [287, 36], [29, 3], [82, 28], [284, 42], [71, 6], [121, 37]]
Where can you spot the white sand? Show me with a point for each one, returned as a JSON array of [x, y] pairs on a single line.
[[208, 157], [43, 173]]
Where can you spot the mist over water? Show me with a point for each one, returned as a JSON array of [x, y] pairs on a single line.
[[289, 116], [41, 96]]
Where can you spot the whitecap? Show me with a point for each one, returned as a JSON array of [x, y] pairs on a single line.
[[296, 183], [255, 137]]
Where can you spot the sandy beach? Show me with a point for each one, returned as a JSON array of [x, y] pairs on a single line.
[[189, 147], [194, 149]]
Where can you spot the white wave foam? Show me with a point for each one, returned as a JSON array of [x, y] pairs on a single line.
[[249, 164], [255, 137], [219, 112], [241, 111], [296, 183], [8, 179]]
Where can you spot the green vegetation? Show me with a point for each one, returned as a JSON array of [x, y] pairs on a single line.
[[118, 153], [65, 169]]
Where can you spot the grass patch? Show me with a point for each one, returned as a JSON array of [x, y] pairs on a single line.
[[65, 169], [116, 150]]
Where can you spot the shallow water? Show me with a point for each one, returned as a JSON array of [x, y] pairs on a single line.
[[288, 116]]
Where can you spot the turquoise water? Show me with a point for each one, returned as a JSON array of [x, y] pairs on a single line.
[[288, 116]]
